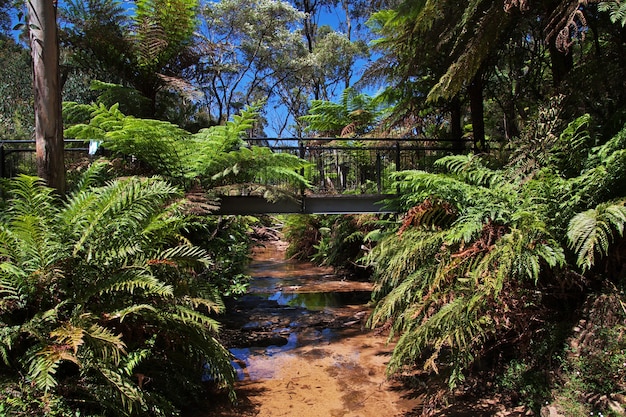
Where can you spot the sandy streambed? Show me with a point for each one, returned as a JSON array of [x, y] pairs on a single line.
[[301, 348]]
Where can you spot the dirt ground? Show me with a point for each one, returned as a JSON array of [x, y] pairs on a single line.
[[343, 377]]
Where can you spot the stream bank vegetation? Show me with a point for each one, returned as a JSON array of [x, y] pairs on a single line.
[[504, 275], [111, 295]]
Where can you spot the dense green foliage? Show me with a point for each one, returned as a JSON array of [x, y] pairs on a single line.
[[217, 156], [332, 240], [499, 254], [148, 50], [470, 273], [106, 307], [16, 111]]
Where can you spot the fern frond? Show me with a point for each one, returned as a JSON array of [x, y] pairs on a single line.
[[69, 335], [212, 306], [193, 318], [131, 395], [132, 279], [471, 169], [616, 9], [133, 359], [182, 255], [45, 364], [134, 309], [591, 232], [107, 345], [91, 177], [132, 202], [8, 336]]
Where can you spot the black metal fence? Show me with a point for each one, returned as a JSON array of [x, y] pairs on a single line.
[[359, 165], [362, 165], [18, 156]]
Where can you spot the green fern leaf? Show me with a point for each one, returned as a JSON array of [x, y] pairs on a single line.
[[592, 231]]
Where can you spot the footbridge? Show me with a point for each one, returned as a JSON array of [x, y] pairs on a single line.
[[346, 175]]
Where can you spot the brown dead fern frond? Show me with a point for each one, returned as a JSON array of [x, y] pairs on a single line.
[[198, 203], [433, 213]]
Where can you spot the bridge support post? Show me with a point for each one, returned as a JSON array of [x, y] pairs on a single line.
[[379, 181]]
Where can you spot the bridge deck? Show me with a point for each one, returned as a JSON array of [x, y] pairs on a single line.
[[310, 204]]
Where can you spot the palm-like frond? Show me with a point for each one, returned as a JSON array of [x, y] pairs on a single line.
[[79, 278], [470, 168], [616, 9], [354, 115], [214, 156], [129, 394], [132, 202], [591, 232]]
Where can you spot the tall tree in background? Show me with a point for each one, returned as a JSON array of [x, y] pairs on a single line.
[[272, 51], [148, 50], [46, 82], [450, 51]]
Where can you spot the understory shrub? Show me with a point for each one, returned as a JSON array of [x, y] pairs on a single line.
[[489, 260], [106, 307]]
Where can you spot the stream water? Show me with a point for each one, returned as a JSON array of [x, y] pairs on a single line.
[[300, 345]]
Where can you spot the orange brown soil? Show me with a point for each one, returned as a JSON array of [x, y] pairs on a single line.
[[345, 378]]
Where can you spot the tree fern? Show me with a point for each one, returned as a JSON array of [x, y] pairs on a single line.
[[217, 156], [354, 115], [442, 285], [88, 284], [591, 232], [616, 9], [450, 288]]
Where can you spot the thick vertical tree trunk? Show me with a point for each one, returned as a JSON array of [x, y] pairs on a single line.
[[562, 63], [46, 83], [456, 129], [475, 92]]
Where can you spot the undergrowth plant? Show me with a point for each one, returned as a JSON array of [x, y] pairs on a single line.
[[214, 157], [467, 274], [105, 306]]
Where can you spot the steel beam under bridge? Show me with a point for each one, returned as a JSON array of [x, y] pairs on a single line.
[[310, 204]]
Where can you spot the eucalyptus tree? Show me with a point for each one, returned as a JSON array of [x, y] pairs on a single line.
[[44, 46], [6, 7], [265, 50], [247, 49], [316, 42]]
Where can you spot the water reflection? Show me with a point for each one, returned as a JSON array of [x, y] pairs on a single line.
[[311, 301], [290, 284], [254, 363]]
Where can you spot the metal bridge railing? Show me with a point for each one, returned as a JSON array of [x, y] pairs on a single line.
[[18, 156], [361, 165]]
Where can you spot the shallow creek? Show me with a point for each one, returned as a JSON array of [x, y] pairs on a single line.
[[300, 346]]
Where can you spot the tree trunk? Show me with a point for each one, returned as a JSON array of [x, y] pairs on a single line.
[[475, 92], [561, 62], [46, 84], [456, 129]]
